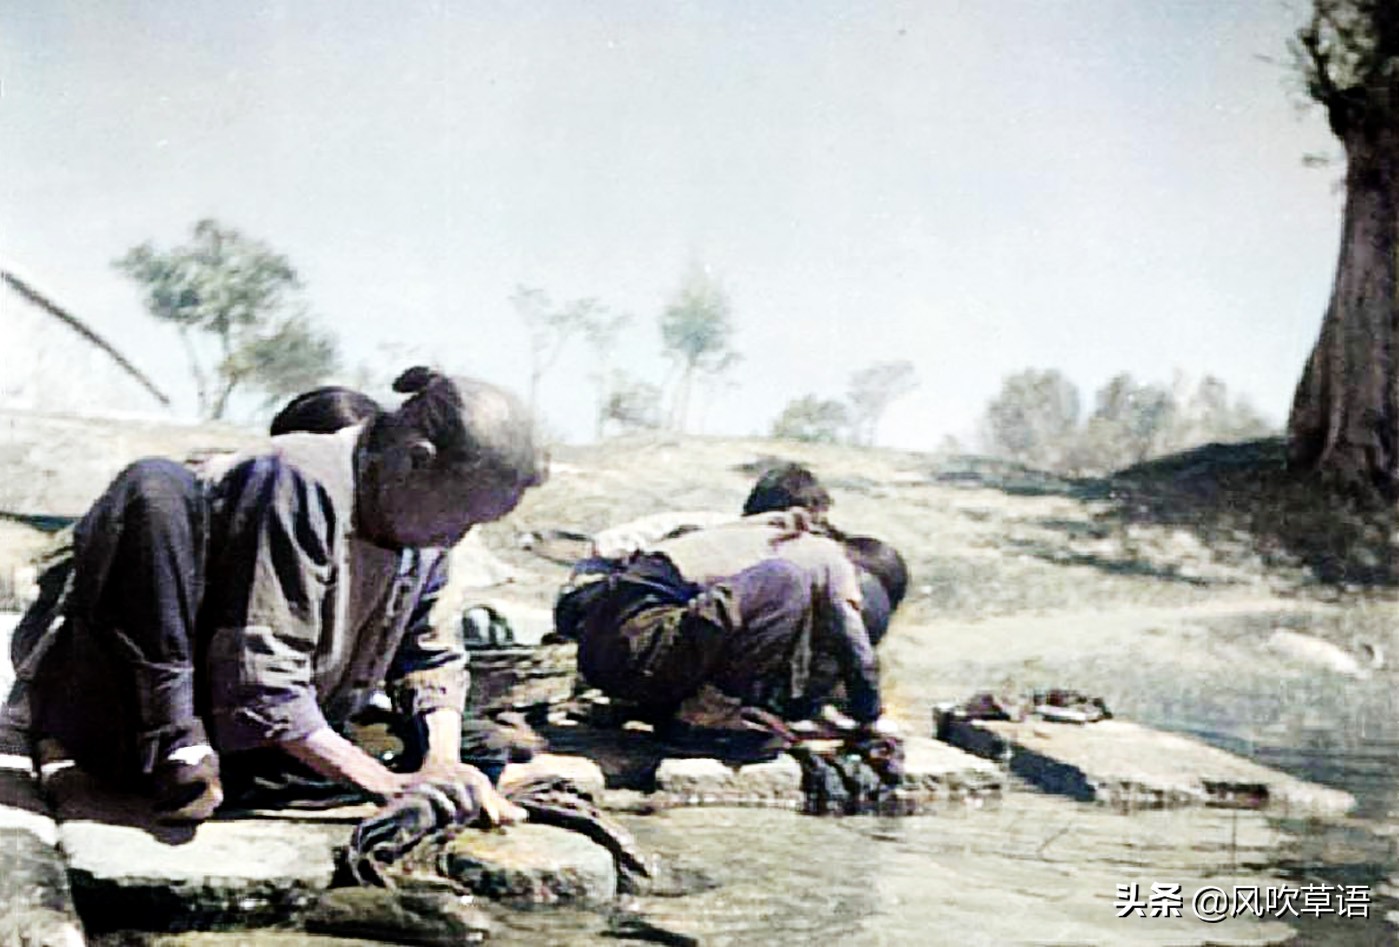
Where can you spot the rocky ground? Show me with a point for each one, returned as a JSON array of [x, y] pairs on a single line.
[[1205, 595]]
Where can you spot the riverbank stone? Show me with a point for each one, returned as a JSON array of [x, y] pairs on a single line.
[[933, 773], [578, 770], [434, 918], [128, 872], [531, 865], [1126, 765]]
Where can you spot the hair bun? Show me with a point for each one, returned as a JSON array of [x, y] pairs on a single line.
[[416, 379]]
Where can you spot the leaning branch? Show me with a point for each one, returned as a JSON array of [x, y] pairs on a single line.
[[77, 326]]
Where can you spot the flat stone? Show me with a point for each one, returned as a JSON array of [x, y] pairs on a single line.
[[38, 907], [579, 770], [129, 872], [711, 782], [778, 780], [1127, 765], [627, 758], [532, 864], [933, 773], [430, 917], [697, 776], [938, 772]]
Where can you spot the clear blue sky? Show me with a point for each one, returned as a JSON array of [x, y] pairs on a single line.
[[1092, 185]]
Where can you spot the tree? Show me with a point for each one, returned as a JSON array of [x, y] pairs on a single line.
[[285, 359], [243, 296], [814, 419], [1033, 418], [550, 329], [1344, 423], [696, 334], [601, 334], [872, 390], [632, 404], [1130, 422], [1209, 414]]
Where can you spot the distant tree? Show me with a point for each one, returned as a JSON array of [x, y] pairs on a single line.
[[242, 295], [810, 418], [949, 445], [285, 359], [1344, 423], [1033, 418], [872, 390], [602, 333], [696, 333], [550, 329], [1130, 423], [632, 404], [1210, 414]]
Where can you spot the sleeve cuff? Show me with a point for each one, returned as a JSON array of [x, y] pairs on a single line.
[[247, 728]]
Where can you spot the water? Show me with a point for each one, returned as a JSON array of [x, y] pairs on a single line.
[[1038, 869]]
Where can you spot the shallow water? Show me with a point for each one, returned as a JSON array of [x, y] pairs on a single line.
[[1038, 869]]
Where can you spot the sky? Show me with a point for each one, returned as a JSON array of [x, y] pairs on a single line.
[[977, 187]]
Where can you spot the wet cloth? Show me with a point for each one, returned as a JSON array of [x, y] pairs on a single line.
[[248, 574], [748, 607], [860, 777], [380, 845]]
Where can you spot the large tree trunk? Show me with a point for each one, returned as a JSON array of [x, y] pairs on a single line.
[[1345, 414]]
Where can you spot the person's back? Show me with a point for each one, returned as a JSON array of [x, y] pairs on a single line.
[[707, 555]]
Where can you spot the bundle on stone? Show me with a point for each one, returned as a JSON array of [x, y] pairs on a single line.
[[409, 834]]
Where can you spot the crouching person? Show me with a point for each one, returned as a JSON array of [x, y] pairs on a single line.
[[223, 625], [768, 613]]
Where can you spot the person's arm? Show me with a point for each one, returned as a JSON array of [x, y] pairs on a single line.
[[428, 679], [334, 757], [428, 673], [853, 651], [274, 570]]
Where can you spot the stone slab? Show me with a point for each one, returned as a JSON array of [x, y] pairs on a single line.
[[36, 904], [938, 772], [709, 782], [532, 864], [934, 773], [1127, 765], [628, 758], [428, 917], [579, 770], [128, 872]]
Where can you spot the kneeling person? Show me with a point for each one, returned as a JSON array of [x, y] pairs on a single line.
[[754, 608], [249, 610]]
